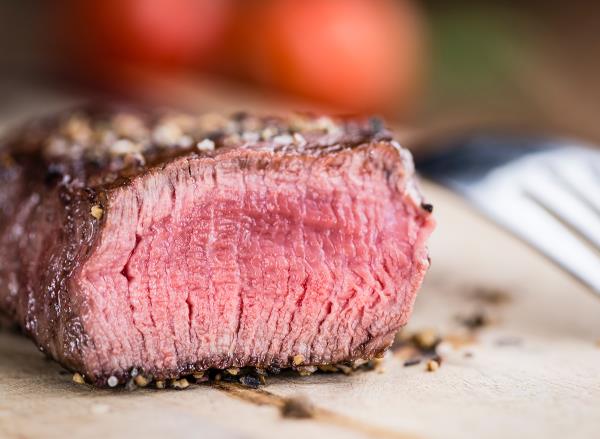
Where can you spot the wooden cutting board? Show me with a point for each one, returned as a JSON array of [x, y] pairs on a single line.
[[533, 371]]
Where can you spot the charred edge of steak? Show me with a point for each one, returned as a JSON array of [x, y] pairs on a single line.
[[54, 322], [108, 145], [60, 233]]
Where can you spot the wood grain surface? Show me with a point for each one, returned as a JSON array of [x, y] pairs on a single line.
[[533, 371]]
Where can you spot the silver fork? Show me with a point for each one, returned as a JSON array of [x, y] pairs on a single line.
[[545, 192]]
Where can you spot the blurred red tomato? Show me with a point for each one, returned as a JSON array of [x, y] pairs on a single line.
[[359, 55], [164, 33]]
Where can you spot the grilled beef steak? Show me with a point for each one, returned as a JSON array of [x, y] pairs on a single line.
[[173, 243]]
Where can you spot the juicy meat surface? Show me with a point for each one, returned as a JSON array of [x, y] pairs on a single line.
[[173, 243]]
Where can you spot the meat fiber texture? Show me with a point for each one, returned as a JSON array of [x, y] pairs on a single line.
[[172, 243]]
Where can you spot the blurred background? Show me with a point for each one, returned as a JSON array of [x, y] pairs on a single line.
[[432, 68]]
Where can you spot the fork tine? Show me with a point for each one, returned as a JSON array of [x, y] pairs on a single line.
[[529, 221], [580, 173], [546, 193], [560, 201]]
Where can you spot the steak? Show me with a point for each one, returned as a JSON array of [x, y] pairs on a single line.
[[170, 243]]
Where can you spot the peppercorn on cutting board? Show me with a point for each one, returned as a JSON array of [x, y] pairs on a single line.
[[521, 358]]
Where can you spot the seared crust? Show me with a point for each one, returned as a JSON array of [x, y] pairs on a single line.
[[108, 146]]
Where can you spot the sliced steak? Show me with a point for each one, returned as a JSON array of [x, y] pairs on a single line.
[[173, 243]]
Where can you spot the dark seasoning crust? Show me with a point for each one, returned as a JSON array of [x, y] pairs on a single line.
[[86, 153], [252, 377], [108, 147]]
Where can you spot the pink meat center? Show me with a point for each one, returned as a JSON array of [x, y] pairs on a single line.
[[230, 262]]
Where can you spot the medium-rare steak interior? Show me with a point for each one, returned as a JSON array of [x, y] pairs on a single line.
[[172, 243]]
